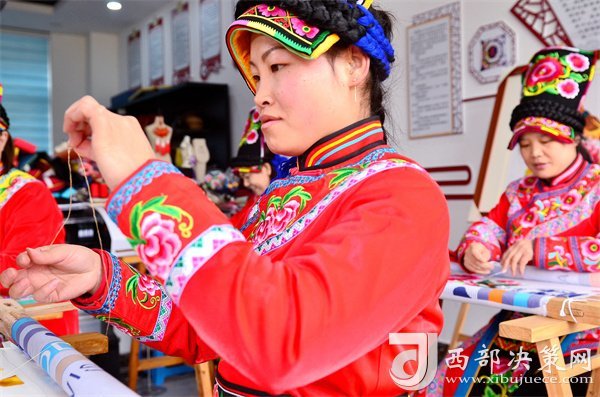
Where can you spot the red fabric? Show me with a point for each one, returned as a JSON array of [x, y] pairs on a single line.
[[31, 218], [313, 316]]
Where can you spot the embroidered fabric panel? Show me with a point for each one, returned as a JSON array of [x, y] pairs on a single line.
[[197, 254], [11, 183], [578, 210], [540, 214], [527, 296], [113, 289], [162, 320], [486, 232], [134, 185], [290, 232], [578, 254], [298, 180]]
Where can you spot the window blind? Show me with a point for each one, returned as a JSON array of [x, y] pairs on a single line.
[[25, 74]]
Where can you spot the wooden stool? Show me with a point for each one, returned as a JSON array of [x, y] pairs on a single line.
[[204, 371], [545, 333], [457, 335]]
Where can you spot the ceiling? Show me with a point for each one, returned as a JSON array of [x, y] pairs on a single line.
[[76, 16]]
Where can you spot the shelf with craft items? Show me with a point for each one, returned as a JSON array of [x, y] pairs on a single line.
[[198, 110]]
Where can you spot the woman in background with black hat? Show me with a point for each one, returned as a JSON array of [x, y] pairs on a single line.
[[256, 165], [550, 219]]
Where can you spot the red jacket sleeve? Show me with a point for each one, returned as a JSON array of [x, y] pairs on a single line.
[[140, 307], [289, 318], [489, 231], [30, 218]]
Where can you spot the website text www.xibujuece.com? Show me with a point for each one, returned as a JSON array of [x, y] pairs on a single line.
[[520, 380]]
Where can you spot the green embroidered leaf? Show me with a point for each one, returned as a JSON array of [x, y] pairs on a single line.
[[578, 77], [169, 211], [274, 201], [131, 286], [136, 241], [156, 201], [289, 195], [135, 218], [552, 90], [341, 176]]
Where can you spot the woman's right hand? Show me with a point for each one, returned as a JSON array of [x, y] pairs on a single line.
[[477, 259], [117, 143], [54, 273]]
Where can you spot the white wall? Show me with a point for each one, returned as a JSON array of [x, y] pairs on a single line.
[[81, 65]]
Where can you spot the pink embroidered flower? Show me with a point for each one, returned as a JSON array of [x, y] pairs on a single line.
[[276, 220], [591, 249], [252, 137], [571, 200], [162, 244], [271, 11], [303, 29], [148, 285], [255, 116], [578, 62], [546, 69], [529, 220], [530, 181], [264, 228], [286, 214], [568, 88]]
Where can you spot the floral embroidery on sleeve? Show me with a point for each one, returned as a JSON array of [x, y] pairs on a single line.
[[154, 237]]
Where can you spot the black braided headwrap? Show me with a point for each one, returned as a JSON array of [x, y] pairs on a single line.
[[551, 110], [337, 16]]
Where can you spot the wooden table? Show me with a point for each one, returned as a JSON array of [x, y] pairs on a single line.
[[552, 318]]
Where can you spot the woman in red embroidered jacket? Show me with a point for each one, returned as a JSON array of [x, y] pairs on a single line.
[[550, 219], [349, 248], [29, 217]]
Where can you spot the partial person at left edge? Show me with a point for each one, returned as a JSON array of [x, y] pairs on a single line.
[[29, 217]]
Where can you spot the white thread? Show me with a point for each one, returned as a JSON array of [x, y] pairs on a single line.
[[568, 302]]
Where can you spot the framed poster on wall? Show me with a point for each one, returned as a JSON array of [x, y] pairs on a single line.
[[156, 52], [180, 35], [134, 60], [434, 63], [210, 37]]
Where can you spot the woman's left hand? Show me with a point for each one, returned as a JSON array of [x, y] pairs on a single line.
[[517, 256]]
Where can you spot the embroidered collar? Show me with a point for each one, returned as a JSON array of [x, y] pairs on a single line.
[[569, 174], [343, 145]]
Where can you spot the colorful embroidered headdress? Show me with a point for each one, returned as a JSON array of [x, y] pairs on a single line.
[[253, 151], [308, 29], [554, 87]]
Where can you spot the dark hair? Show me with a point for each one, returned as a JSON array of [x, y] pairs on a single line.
[[340, 17], [8, 153], [551, 110], [555, 111]]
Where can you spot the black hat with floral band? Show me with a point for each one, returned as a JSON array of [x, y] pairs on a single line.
[[554, 87], [308, 29], [252, 149]]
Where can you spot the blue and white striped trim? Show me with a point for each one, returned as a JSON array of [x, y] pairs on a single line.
[[134, 185]]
